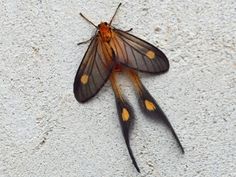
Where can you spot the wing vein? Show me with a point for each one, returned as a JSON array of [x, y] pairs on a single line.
[[125, 57], [145, 62], [133, 47], [99, 70], [134, 57]]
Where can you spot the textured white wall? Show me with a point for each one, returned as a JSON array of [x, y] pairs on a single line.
[[45, 132]]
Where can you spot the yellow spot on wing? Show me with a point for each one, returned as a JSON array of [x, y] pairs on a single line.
[[150, 54], [125, 114], [149, 105], [84, 79]]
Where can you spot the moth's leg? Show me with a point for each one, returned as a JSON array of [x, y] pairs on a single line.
[[125, 113], [127, 31], [149, 104], [85, 42]]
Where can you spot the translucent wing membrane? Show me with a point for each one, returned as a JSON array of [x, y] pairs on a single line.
[[138, 54], [94, 70]]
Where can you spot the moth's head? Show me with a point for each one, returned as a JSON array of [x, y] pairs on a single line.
[[104, 30], [104, 27]]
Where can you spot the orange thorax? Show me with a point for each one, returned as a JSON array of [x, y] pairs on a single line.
[[105, 31]]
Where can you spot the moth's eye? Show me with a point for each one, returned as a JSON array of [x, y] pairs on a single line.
[[99, 26]]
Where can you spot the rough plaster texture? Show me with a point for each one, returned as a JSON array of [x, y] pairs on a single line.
[[45, 132]]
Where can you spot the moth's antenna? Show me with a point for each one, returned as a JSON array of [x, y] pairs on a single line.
[[87, 20], [114, 13]]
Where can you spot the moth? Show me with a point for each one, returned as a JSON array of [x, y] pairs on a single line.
[[111, 51]]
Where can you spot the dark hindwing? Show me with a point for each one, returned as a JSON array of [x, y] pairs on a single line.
[[138, 54], [122, 105], [94, 70]]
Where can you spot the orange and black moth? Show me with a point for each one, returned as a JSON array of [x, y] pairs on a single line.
[[111, 51]]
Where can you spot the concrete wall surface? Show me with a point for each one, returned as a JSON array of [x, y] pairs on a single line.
[[45, 132]]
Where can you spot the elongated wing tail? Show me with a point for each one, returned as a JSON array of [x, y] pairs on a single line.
[[126, 116], [151, 108], [149, 105]]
